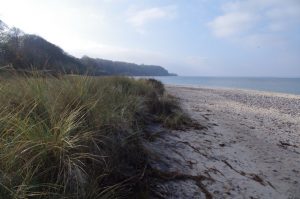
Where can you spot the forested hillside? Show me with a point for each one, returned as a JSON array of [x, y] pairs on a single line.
[[25, 52], [109, 67]]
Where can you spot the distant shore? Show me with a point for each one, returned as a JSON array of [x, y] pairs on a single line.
[[250, 149], [268, 84]]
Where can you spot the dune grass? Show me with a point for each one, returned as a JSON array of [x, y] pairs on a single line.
[[78, 136]]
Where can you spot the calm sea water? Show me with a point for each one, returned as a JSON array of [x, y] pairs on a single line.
[[284, 85]]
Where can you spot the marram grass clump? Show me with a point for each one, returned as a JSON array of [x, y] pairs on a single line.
[[77, 136]]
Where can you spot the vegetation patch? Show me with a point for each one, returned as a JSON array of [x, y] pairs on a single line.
[[78, 136]]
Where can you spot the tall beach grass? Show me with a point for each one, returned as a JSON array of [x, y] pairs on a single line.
[[78, 136]]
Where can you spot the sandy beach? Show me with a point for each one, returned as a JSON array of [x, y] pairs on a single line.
[[249, 146]]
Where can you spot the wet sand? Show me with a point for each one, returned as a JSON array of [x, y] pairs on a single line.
[[250, 147]]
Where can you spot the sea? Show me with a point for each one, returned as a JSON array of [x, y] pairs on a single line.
[[272, 84]]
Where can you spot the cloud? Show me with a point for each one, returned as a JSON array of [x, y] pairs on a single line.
[[233, 23], [139, 18], [256, 20], [284, 18]]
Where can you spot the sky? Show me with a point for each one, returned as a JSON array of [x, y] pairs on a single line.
[[187, 37]]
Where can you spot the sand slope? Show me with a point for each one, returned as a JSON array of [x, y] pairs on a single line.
[[250, 149]]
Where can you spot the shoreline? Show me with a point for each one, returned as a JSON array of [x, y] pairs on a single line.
[[284, 94], [250, 147], [278, 85]]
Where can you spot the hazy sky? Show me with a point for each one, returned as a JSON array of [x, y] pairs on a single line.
[[188, 37]]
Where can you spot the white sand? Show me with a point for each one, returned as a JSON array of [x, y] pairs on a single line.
[[251, 148]]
